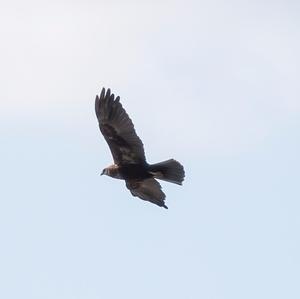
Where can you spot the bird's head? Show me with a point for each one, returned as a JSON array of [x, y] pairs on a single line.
[[111, 171], [105, 171]]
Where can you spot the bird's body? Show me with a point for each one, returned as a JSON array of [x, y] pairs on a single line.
[[129, 171], [128, 153]]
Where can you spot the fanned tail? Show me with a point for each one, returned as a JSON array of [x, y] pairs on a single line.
[[170, 171]]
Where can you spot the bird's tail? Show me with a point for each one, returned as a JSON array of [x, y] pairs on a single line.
[[170, 171]]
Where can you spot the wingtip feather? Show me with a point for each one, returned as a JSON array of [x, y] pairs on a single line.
[[102, 93], [107, 93], [97, 105]]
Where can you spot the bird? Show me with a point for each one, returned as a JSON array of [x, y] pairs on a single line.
[[128, 153]]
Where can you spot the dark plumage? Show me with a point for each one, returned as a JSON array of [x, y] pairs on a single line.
[[128, 153]]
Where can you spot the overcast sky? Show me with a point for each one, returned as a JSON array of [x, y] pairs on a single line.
[[214, 84]]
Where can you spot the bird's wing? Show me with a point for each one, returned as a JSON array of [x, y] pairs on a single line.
[[148, 189], [118, 130]]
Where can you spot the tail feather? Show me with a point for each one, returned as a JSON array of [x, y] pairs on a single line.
[[170, 171]]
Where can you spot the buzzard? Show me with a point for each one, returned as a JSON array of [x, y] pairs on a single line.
[[128, 153]]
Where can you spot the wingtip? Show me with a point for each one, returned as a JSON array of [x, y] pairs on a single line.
[[108, 93], [97, 104], [102, 93]]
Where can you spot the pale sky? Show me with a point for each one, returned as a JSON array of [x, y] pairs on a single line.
[[213, 84]]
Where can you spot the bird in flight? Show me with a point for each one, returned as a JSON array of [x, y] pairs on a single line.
[[128, 153]]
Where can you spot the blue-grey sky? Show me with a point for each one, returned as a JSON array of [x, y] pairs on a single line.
[[214, 84]]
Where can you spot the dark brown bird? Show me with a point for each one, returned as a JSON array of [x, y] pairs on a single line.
[[128, 153]]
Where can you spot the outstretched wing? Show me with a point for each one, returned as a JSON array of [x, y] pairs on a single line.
[[148, 189], [118, 130]]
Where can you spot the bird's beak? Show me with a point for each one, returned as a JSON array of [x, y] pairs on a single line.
[[102, 173]]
